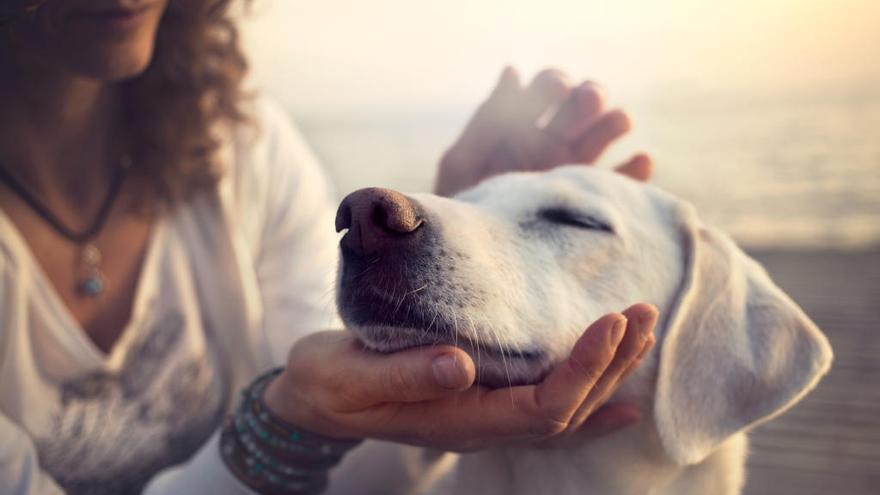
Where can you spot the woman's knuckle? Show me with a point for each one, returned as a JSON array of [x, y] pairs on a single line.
[[340, 401], [297, 367], [549, 426], [398, 378], [586, 371]]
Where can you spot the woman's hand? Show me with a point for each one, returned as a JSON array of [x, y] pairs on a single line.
[[505, 134], [332, 386]]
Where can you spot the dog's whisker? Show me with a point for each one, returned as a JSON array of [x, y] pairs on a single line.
[[416, 291], [504, 361]]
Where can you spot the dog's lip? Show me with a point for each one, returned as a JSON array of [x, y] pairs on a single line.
[[493, 365], [389, 298], [409, 337], [437, 332]]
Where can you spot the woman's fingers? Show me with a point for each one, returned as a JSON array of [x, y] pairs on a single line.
[[602, 133], [544, 148], [504, 134], [570, 382], [351, 379], [489, 123], [523, 412], [639, 167], [546, 408], [641, 319], [527, 147], [409, 376], [549, 88], [649, 344], [510, 108], [609, 418], [414, 396], [604, 420], [576, 114]]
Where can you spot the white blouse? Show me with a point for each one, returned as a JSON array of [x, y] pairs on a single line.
[[229, 282]]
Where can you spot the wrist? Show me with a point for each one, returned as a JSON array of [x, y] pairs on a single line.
[[287, 404], [278, 398], [270, 454]]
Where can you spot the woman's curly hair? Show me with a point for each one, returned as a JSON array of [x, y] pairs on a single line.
[[175, 108]]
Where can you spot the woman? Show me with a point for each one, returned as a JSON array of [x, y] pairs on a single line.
[[164, 241]]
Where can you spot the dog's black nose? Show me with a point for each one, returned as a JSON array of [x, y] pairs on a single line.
[[377, 219]]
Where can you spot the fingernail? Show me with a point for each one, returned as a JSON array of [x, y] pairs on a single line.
[[617, 332], [646, 318], [449, 372]]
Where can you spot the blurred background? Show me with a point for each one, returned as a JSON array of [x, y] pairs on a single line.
[[778, 101], [764, 113]]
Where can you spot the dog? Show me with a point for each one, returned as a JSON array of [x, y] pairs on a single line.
[[514, 269]]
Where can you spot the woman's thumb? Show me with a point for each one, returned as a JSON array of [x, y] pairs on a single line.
[[417, 374]]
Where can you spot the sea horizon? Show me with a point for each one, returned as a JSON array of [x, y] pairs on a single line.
[[775, 170]]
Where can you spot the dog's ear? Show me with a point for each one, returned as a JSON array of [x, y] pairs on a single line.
[[737, 350]]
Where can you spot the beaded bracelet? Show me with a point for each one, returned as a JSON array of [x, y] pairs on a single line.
[[273, 456]]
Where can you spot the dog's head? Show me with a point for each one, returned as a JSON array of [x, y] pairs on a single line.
[[513, 270]]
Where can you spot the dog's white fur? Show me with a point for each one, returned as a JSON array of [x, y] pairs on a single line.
[[732, 349]]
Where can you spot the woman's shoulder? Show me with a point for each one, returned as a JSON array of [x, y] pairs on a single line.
[[269, 144], [271, 171]]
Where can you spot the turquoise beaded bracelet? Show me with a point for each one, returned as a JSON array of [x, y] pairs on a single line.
[[273, 456]]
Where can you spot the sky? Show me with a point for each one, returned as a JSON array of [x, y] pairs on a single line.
[[340, 54]]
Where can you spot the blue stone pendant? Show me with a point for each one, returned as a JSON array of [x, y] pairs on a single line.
[[93, 286], [94, 283]]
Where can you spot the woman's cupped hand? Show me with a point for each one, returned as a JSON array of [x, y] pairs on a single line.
[[427, 396]]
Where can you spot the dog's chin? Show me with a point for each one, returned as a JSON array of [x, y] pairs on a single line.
[[495, 367], [388, 324]]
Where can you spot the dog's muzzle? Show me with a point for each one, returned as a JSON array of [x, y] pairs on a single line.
[[387, 252]]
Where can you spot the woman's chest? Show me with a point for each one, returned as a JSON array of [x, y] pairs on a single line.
[[96, 281], [110, 430], [107, 422]]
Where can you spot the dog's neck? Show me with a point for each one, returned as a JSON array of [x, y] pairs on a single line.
[[582, 462], [569, 469]]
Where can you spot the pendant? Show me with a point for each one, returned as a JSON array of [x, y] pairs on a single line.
[[94, 282]]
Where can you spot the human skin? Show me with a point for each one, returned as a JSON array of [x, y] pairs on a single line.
[[59, 135], [427, 396], [503, 134]]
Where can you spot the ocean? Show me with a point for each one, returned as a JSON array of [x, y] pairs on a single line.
[[776, 171]]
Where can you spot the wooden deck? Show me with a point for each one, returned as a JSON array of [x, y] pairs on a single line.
[[829, 444]]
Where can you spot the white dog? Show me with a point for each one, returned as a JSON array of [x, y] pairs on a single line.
[[514, 269]]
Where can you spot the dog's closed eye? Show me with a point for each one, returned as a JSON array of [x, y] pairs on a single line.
[[571, 218]]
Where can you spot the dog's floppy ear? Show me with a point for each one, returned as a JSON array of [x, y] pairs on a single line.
[[737, 350]]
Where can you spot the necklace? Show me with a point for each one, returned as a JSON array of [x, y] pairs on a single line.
[[92, 281]]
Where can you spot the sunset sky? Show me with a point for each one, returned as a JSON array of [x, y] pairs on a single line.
[[324, 54]]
